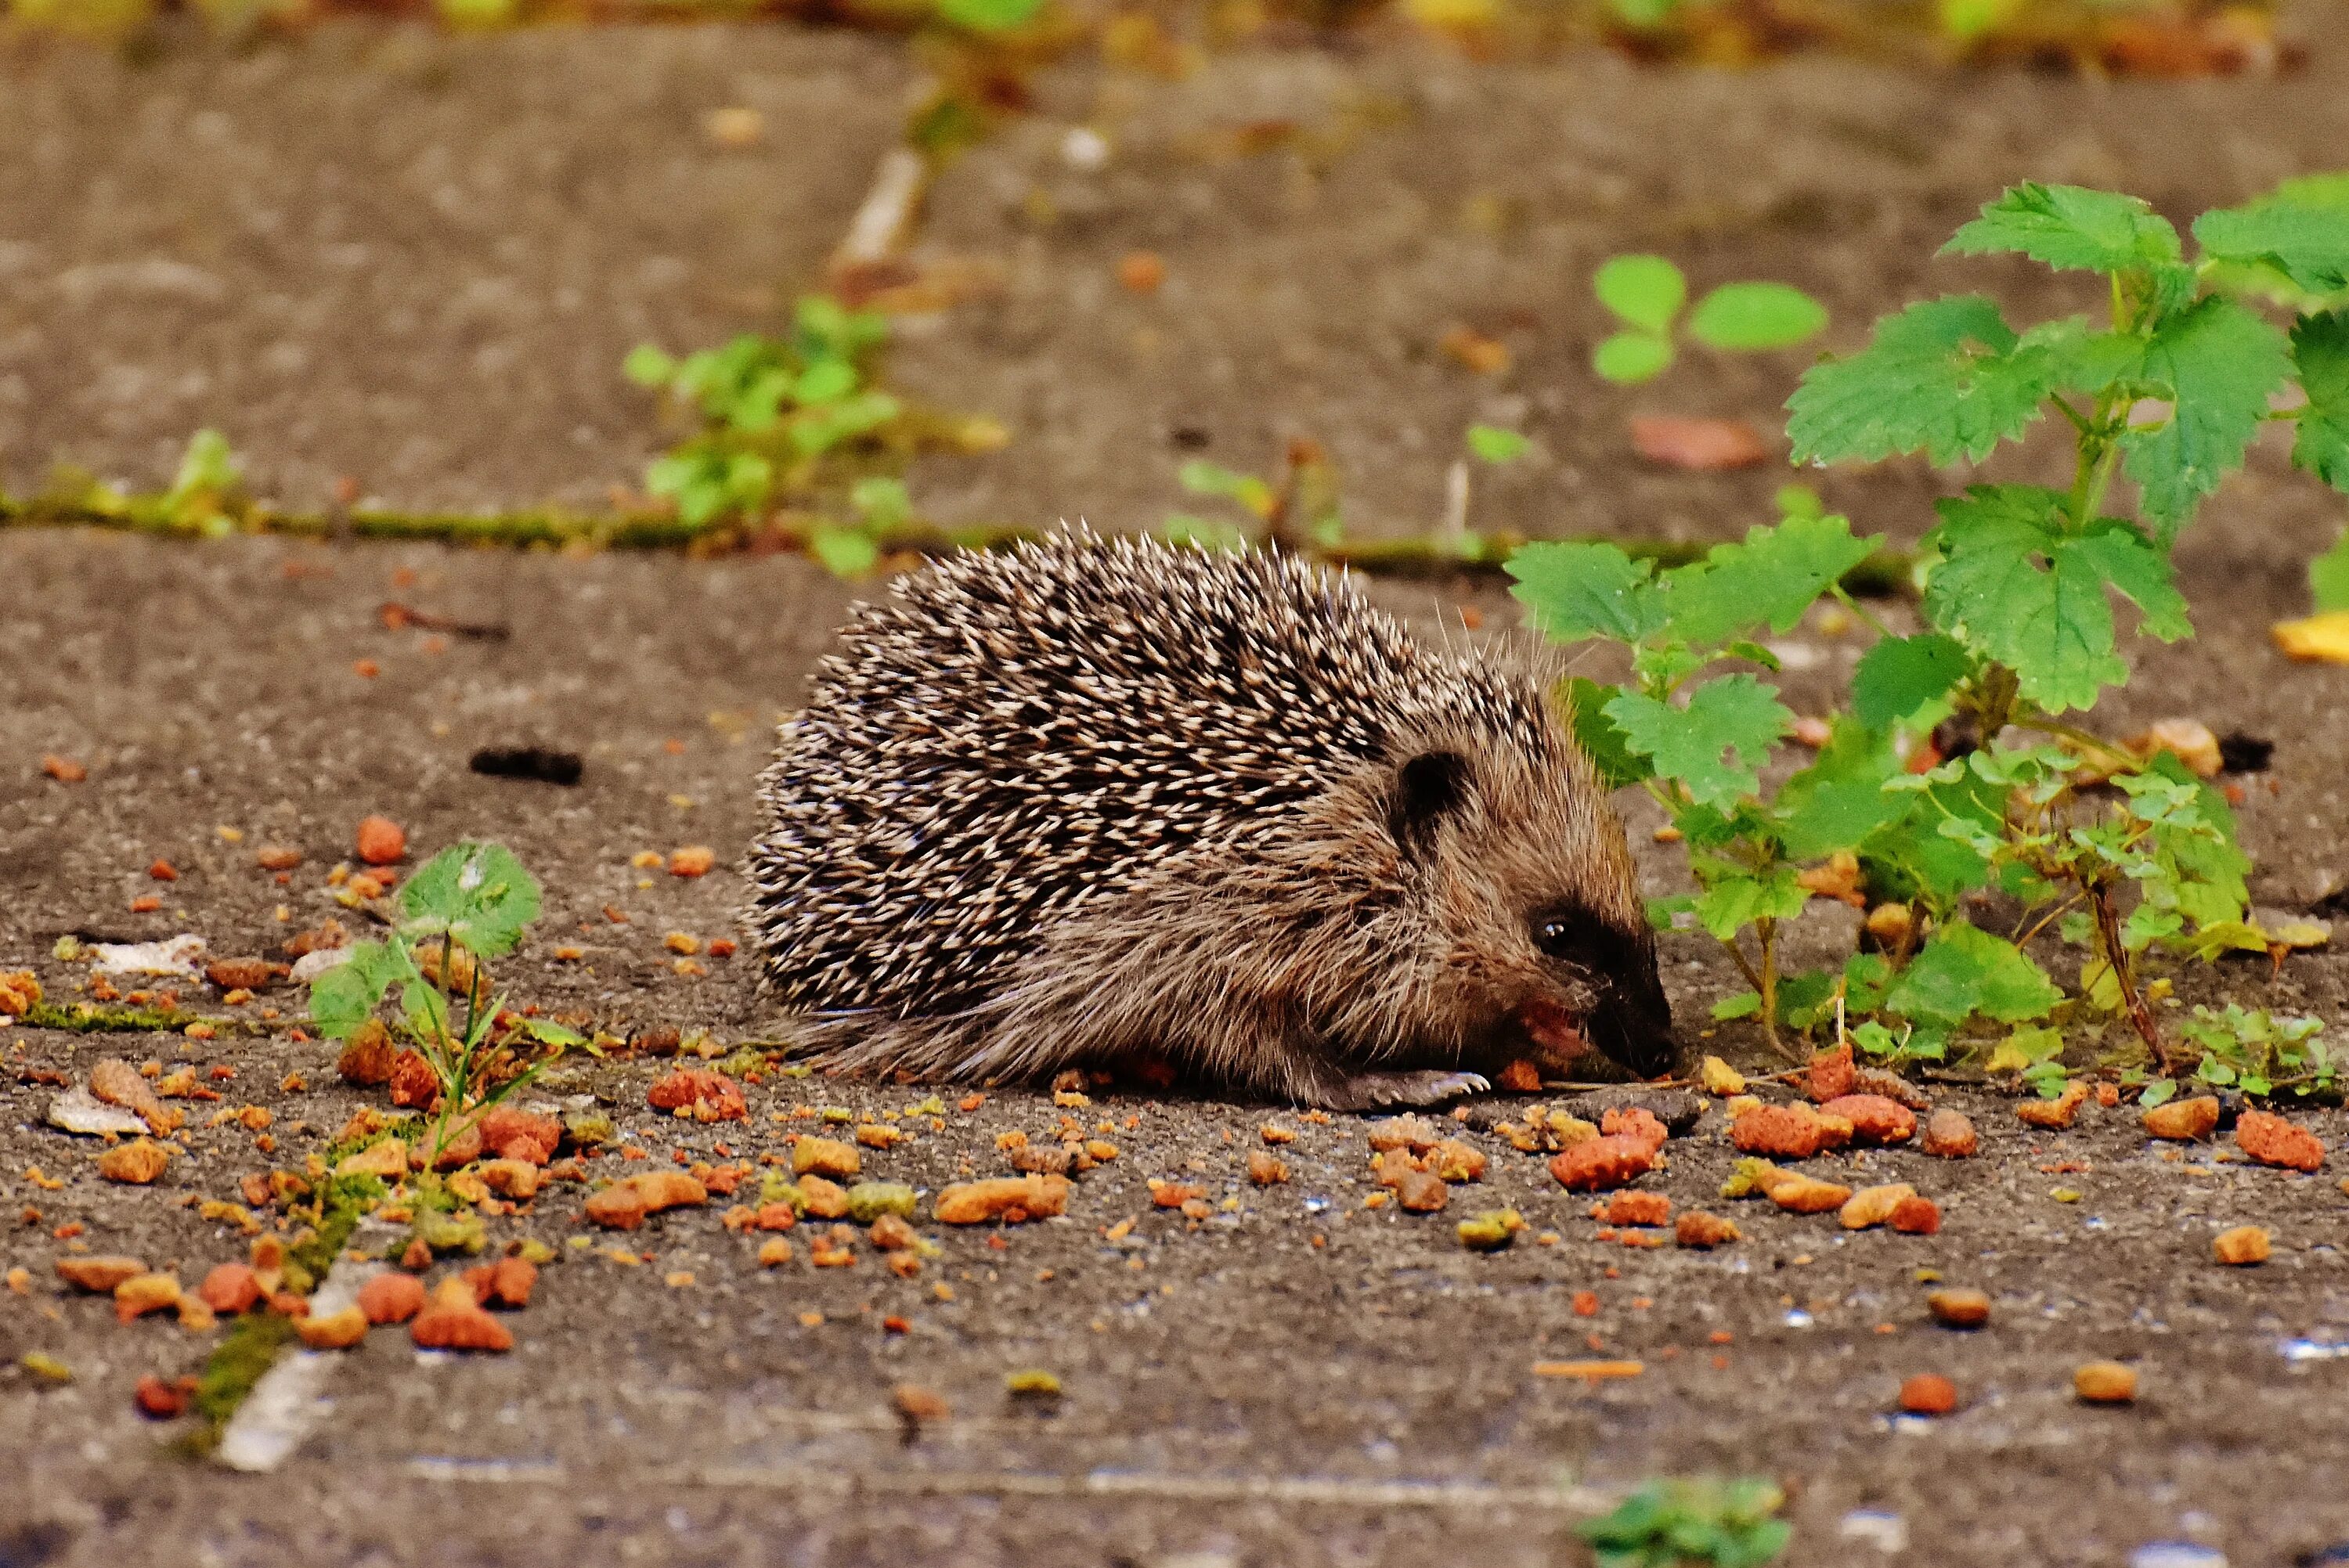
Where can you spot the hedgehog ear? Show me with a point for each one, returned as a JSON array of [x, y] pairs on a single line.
[[1429, 787]]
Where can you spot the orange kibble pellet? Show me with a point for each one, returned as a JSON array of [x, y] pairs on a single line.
[[1929, 1394]]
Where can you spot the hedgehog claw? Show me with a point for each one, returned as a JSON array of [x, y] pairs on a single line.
[[1370, 1091]]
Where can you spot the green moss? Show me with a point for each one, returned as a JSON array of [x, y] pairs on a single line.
[[93, 1018]]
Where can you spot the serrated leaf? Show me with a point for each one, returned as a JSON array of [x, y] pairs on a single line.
[[2070, 227], [1964, 971], [478, 895], [2219, 364], [1770, 578], [1734, 902], [1575, 589], [1601, 739], [2307, 243], [1947, 377], [2134, 568], [343, 999], [2320, 352], [1646, 292], [2052, 625], [1839, 801], [1901, 675], [1756, 315], [1627, 358], [1714, 746]]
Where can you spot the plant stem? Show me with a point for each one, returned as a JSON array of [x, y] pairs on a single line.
[[2115, 957]]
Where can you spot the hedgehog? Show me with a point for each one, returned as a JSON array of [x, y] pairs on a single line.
[[1091, 803]]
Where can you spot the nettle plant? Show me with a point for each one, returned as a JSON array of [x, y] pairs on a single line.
[[469, 903], [2122, 856]]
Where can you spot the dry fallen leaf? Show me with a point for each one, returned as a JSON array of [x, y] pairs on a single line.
[[2319, 638]]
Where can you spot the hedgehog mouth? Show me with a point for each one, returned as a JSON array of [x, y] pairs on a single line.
[[1556, 1031], [1627, 1037]]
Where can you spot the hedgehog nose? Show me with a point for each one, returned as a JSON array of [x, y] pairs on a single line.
[[1635, 1029]]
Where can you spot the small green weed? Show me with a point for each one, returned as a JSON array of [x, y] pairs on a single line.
[[1675, 1522], [1646, 295], [469, 903], [2120, 855]]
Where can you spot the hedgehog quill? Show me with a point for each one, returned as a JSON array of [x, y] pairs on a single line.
[[1089, 802]]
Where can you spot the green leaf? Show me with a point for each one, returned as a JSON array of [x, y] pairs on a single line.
[[825, 381], [989, 15], [846, 553], [1772, 577], [2328, 576], [1646, 292], [2070, 227], [2133, 567], [343, 999], [881, 500], [478, 895], [2320, 352], [2218, 363], [1964, 971], [1203, 532], [648, 367], [1600, 739], [1627, 358], [1576, 590], [1946, 377], [1756, 315], [2052, 625], [1202, 477], [2308, 243], [1745, 1005], [1495, 444], [1839, 801], [1901, 675], [1734, 902], [1735, 718], [2160, 1092]]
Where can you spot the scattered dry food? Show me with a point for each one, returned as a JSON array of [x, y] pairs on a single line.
[[879, 1135], [1600, 1164], [1141, 272], [505, 1283], [1929, 1394], [1800, 1194], [916, 1404], [2272, 1141], [1491, 1231], [825, 1157], [332, 1330], [1274, 1134], [1917, 1217], [1875, 1119], [1872, 1206], [773, 1252], [1454, 1160], [1167, 1194], [1701, 445], [693, 861], [120, 1083], [511, 1133], [1265, 1169], [20, 993], [869, 1201], [381, 842], [1416, 1133], [230, 1288], [2104, 1383], [1636, 1209], [1633, 1122], [144, 1293], [2054, 1114], [2241, 1247], [1422, 1191], [63, 769], [387, 1157], [1589, 1371], [836, 1249], [1794, 1131], [2183, 1120], [1010, 1200], [1719, 1079], [1950, 1134], [369, 1057], [79, 1111], [623, 1205], [1519, 1077], [1701, 1230], [276, 857], [513, 1179], [244, 973], [1032, 1383], [1831, 1075], [1959, 1307], [391, 1297], [822, 1199], [135, 1163], [414, 1085], [161, 1401], [2319, 638], [1484, 355], [707, 1096], [2188, 739], [891, 1233], [454, 1320], [98, 1276]]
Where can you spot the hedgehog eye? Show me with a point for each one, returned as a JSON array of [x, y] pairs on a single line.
[[1565, 936]]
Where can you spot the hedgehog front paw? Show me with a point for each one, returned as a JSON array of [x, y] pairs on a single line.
[[1371, 1091]]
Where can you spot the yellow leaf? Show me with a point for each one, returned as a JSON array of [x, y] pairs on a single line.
[[2319, 637]]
